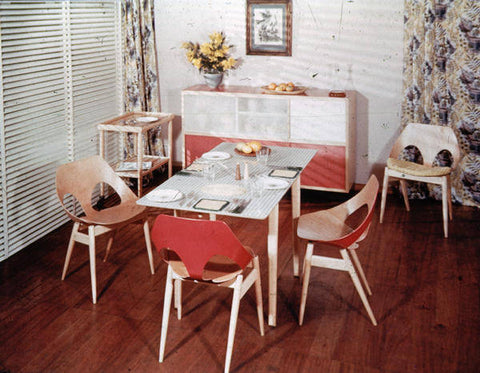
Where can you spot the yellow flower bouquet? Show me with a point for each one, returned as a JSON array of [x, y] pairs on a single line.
[[211, 57]]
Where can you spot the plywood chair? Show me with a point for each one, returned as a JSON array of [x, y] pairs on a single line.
[[342, 226], [79, 179], [430, 141], [206, 252]]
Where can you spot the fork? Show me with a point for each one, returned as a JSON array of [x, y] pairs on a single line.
[[187, 196], [192, 200]]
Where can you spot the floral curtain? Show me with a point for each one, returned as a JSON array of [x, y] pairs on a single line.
[[141, 91], [442, 82]]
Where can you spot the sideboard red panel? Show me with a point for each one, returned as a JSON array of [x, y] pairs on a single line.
[[326, 169]]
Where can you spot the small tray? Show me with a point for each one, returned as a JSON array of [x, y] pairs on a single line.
[[252, 154], [297, 91], [211, 204]]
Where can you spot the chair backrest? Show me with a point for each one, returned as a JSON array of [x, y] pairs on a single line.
[[79, 178], [367, 196], [430, 140], [196, 241]]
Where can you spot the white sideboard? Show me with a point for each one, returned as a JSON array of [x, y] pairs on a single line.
[[311, 120]]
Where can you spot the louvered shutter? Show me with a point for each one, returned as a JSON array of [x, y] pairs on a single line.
[[59, 79]]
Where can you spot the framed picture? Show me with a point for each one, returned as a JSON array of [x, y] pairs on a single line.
[[269, 27]]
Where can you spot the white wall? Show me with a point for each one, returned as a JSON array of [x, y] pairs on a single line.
[[363, 38]]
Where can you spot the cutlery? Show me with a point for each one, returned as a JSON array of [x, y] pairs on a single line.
[[187, 196], [192, 200], [241, 206]]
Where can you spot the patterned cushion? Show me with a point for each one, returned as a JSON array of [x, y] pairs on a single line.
[[416, 169]]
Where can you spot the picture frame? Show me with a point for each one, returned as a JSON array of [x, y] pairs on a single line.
[[269, 27]]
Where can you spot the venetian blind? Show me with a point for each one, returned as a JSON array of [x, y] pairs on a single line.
[[60, 77]]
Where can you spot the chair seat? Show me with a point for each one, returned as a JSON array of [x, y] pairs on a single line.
[[321, 226], [416, 169], [121, 214]]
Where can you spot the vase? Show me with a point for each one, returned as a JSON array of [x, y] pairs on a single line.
[[213, 80]]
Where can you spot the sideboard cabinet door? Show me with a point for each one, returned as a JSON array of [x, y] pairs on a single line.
[[313, 121]]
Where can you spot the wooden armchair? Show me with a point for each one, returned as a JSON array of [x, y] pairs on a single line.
[[342, 226], [206, 252], [430, 141], [79, 179]]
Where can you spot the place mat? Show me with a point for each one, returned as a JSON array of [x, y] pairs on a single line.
[[289, 174], [211, 204], [164, 195], [196, 167], [223, 189]]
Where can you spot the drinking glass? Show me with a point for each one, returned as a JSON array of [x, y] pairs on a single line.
[[256, 186], [262, 156], [209, 172]]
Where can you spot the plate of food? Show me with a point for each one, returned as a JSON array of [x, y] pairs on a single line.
[[250, 149], [283, 89]]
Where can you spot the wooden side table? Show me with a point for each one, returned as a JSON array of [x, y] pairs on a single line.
[[138, 123]]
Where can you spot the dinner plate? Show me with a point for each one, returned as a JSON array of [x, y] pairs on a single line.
[[147, 119], [216, 156], [164, 195], [274, 183]]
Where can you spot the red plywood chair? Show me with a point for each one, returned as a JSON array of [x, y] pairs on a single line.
[[79, 179], [430, 140], [342, 226], [206, 252]]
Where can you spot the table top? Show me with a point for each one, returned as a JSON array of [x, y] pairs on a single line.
[[135, 122], [195, 187]]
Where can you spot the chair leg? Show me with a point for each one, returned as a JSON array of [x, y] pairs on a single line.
[[166, 313], [258, 296], [109, 245], [403, 187], [449, 197], [445, 206], [233, 321], [307, 265], [384, 194], [358, 285], [178, 298], [148, 242], [91, 251], [357, 263], [71, 244]]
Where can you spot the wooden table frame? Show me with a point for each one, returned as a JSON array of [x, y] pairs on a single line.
[[127, 123]]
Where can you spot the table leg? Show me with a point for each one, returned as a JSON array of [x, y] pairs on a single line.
[[296, 201], [272, 247]]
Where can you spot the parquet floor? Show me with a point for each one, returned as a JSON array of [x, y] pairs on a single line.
[[425, 297]]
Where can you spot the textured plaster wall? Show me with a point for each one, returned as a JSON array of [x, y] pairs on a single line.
[[350, 44]]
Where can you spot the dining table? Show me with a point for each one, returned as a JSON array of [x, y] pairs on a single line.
[[228, 182]]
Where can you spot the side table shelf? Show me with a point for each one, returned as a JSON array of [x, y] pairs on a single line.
[[139, 123]]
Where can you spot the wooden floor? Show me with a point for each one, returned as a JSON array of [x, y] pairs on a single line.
[[425, 297]]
